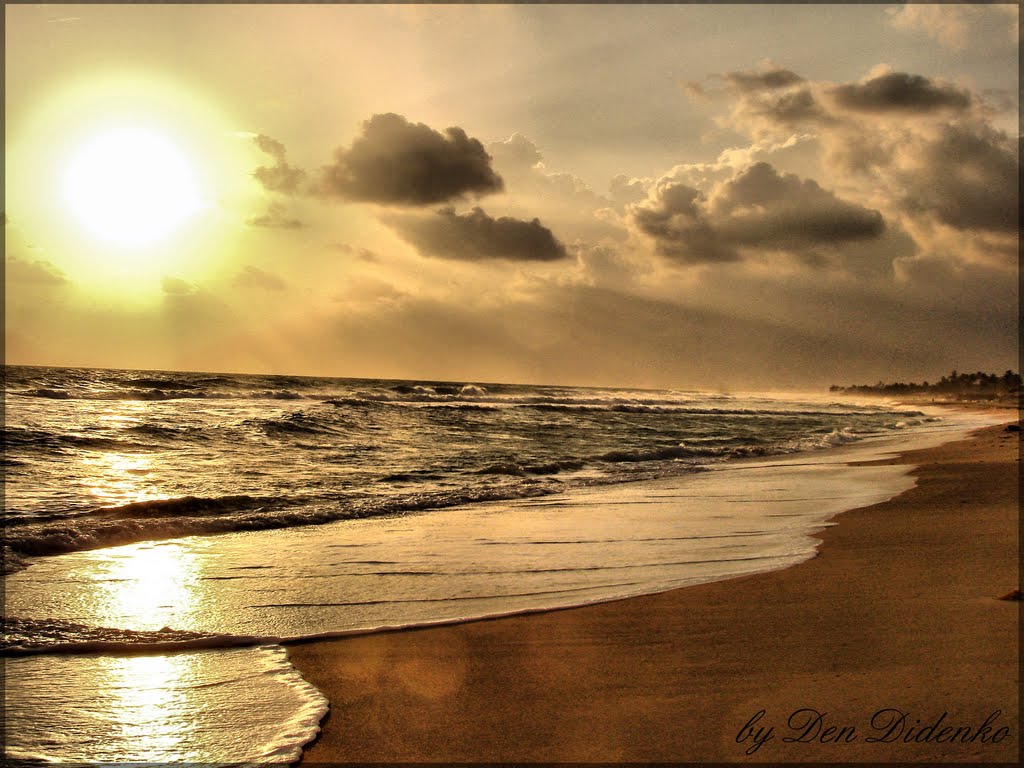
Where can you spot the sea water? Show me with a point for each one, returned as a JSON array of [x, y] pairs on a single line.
[[166, 532]]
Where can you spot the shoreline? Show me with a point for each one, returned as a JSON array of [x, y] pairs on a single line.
[[874, 622]]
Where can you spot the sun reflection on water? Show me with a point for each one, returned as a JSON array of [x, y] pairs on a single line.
[[114, 478], [151, 693], [148, 587]]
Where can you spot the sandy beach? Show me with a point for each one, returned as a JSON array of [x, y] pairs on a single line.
[[852, 656]]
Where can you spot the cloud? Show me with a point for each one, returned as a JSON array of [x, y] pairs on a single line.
[[968, 177], [604, 265], [790, 109], [367, 290], [395, 162], [517, 151], [33, 272], [946, 23], [898, 91], [923, 151], [758, 209], [276, 217], [674, 220], [175, 286], [475, 236], [761, 208], [626, 189], [569, 204], [769, 77], [279, 177], [951, 23], [362, 254], [253, 277]]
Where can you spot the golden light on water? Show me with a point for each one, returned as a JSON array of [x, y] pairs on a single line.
[[148, 587], [154, 689], [117, 478]]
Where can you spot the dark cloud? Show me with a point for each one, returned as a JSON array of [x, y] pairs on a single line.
[[762, 80], [898, 91], [396, 162], [969, 179], [787, 211], [770, 77], [758, 209], [253, 277], [33, 272], [674, 220], [279, 177], [475, 236], [276, 217]]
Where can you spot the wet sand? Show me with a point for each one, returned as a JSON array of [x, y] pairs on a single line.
[[899, 613]]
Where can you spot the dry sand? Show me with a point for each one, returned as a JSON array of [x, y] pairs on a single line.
[[898, 612]]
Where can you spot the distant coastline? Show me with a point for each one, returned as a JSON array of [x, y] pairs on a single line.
[[957, 387]]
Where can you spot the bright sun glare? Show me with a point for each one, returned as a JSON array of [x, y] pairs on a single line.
[[131, 186]]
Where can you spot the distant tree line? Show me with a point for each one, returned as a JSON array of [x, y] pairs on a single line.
[[959, 384]]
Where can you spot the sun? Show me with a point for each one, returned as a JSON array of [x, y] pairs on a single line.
[[131, 186]]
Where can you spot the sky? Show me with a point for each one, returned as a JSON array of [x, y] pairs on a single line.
[[731, 197]]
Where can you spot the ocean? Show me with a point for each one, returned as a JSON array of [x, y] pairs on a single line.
[[166, 534]]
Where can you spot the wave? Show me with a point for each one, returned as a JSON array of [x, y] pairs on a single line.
[[297, 422], [276, 394], [22, 637], [442, 390], [196, 506], [159, 383], [169, 391], [50, 636], [518, 470], [39, 439], [658, 454], [51, 394], [187, 516], [164, 432]]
